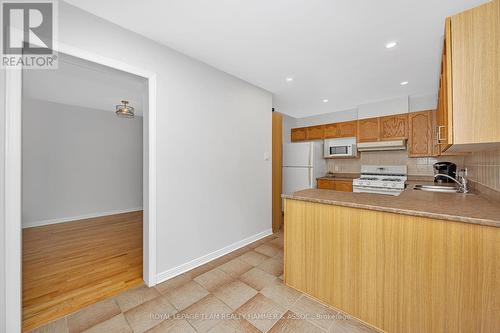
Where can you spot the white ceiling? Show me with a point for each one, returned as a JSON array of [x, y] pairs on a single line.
[[81, 83], [334, 49]]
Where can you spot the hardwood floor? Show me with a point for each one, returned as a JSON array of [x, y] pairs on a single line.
[[68, 266]]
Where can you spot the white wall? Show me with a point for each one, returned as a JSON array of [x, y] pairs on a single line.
[[78, 162], [326, 118], [288, 123], [3, 253], [376, 109], [423, 102], [213, 184], [383, 108]]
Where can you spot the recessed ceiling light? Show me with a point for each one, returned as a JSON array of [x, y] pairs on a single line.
[[325, 101], [390, 45], [289, 79], [404, 83]]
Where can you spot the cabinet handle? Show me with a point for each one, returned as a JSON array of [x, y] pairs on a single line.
[[439, 138]]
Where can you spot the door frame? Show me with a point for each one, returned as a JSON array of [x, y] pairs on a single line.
[[13, 155], [277, 177]]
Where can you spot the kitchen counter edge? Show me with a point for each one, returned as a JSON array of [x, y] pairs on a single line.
[[308, 195]]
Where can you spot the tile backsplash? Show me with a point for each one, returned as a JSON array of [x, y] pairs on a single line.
[[484, 168], [421, 166]]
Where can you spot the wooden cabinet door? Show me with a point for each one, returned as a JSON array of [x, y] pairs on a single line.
[[394, 127], [475, 77], [326, 184], [347, 129], [343, 185], [315, 132], [420, 134], [298, 134], [331, 131], [436, 147], [444, 111], [369, 130]]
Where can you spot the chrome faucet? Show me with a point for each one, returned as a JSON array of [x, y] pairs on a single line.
[[463, 185]]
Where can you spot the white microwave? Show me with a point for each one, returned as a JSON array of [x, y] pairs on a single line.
[[343, 147]]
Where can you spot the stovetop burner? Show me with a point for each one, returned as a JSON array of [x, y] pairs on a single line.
[[381, 179]]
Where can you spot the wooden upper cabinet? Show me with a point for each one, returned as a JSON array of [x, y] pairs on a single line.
[[443, 127], [475, 75], [344, 129], [394, 127], [436, 147], [315, 132], [468, 100], [347, 129], [331, 130], [368, 130], [420, 134], [299, 134]]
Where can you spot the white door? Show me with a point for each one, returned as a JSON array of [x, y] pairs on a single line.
[[297, 154], [296, 179]]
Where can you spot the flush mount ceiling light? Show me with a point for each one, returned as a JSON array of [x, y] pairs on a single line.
[[124, 110], [289, 79], [390, 45], [325, 101], [404, 83]]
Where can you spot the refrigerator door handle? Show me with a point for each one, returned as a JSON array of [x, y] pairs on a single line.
[[311, 155], [310, 173]]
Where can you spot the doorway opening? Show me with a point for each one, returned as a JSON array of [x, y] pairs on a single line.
[[84, 177]]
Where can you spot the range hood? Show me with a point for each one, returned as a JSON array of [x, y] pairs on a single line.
[[382, 145]]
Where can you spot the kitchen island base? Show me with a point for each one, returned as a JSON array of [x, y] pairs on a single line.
[[399, 273]]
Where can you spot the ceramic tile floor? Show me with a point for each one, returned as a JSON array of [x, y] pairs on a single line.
[[239, 292]]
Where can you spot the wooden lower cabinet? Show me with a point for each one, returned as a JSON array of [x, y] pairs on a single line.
[[396, 272], [343, 185], [335, 184], [326, 184]]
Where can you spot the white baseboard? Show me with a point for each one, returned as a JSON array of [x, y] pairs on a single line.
[[80, 217], [173, 272]]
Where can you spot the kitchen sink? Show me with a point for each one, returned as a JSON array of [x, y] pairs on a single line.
[[436, 188]]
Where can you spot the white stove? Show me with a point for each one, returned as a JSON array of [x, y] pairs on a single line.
[[381, 179]]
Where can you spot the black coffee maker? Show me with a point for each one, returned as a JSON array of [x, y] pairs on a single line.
[[445, 168]]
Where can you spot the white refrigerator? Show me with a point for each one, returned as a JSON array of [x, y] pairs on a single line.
[[302, 163]]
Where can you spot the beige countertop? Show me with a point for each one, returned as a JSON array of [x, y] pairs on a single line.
[[467, 208]]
